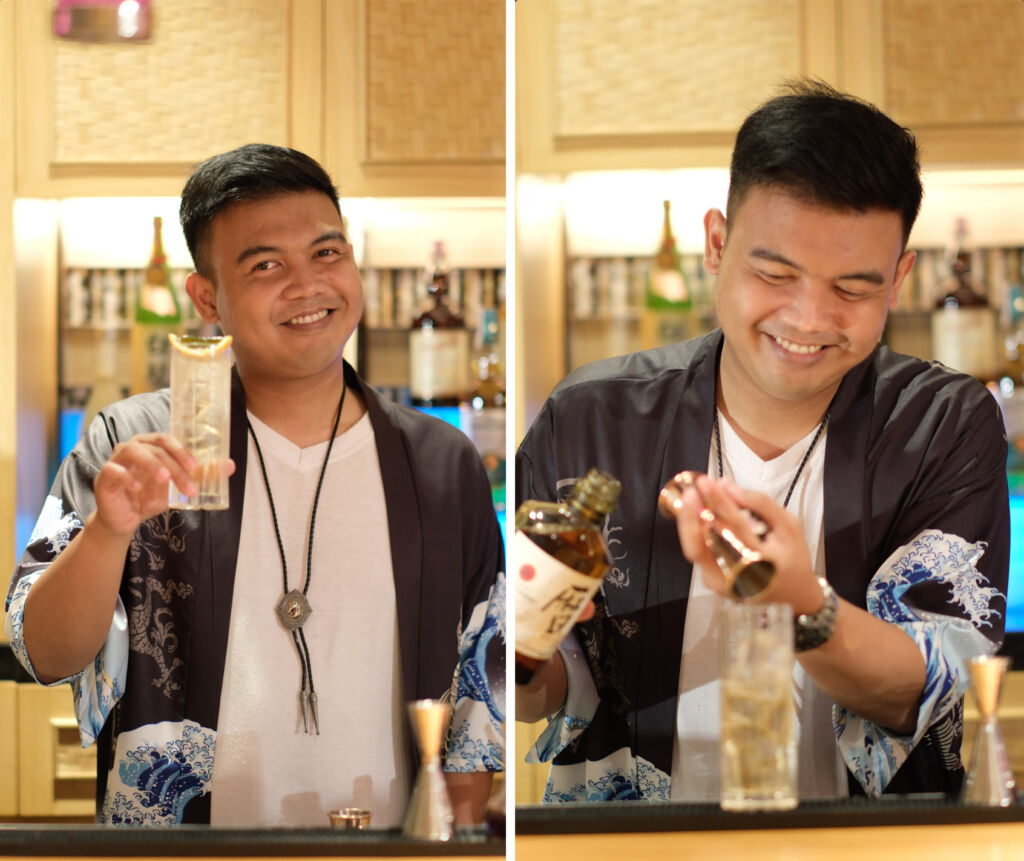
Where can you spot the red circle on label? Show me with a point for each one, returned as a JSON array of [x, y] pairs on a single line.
[[527, 572]]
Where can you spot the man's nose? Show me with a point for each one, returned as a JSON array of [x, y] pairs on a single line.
[[812, 306]]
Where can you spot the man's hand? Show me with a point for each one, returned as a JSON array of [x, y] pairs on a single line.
[[132, 486], [783, 543], [846, 667]]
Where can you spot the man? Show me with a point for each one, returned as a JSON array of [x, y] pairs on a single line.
[[881, 479], [165, 622]]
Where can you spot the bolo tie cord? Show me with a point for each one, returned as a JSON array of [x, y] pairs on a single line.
[[308, 699]]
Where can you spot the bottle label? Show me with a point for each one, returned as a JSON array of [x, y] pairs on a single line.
[[438, 362], [549, 598], [966, 340]]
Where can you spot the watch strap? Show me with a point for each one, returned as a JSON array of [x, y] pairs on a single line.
[[813, 629]]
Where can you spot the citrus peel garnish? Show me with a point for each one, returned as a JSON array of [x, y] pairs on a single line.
[[197, 347]]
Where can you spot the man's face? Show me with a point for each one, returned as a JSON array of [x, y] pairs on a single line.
[[283, 282], [802, 291]]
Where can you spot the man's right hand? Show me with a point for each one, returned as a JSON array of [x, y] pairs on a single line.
[[133, 484]]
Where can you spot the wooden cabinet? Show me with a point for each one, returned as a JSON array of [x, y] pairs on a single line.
[[665, 85], [44, 771], [396, 97], [111, 119], [414, 97]]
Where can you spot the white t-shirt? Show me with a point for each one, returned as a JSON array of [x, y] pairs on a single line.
[[267, 771], [821, 772]]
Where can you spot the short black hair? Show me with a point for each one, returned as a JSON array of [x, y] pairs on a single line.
[[252, 172], [828, 148]]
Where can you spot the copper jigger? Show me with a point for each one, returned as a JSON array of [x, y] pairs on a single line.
[[746, 571], [989, 779]]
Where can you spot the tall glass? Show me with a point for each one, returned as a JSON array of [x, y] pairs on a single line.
[[757, 754], [201, 416]]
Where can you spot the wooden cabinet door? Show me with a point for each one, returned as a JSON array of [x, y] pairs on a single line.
[[951, 71], [110, 118], [56, 776], [414, 97], [652, 83]]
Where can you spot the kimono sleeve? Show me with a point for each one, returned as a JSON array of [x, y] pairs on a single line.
[[98, 686], [476, 735], [944, 585]]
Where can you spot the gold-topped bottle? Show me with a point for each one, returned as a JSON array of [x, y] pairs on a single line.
[[668, 310], [157, 314]]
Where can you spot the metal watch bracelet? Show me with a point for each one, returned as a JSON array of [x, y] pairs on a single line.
[[813, 629]]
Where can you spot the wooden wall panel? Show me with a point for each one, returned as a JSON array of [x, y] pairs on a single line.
[[203, 84], [954, 63], [435, 81], [646, 68]]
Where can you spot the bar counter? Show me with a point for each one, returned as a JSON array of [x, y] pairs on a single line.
[[63, 841], [899, 828]]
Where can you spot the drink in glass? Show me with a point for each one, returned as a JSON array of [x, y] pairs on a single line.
[[201, 416], [757, 753]]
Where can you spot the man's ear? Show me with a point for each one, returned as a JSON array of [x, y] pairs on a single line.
[[201, 291], [715, 230]]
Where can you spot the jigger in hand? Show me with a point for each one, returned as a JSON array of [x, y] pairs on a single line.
[[746, 571]]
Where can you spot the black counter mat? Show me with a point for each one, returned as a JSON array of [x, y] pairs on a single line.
[[623, 816], [197, 840]]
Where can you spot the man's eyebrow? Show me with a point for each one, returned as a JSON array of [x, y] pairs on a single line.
[[255, 250], [871, 276], [329, 236]]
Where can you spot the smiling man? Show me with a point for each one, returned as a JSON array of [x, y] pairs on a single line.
[[206, 705], [881, 479]]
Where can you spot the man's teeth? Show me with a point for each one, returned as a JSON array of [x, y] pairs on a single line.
[[308, 318], [805, 349]]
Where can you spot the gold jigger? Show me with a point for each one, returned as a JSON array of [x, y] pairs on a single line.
[[989, 780], [430, 811], [747, 572]]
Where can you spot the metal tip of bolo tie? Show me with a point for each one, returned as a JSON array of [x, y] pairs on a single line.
[[312, 706], [304, 702]]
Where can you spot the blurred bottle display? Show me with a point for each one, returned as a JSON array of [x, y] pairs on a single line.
[[963, 323], [561, 557], [438, 345], [105, 388], [157, 314], [668, 306]]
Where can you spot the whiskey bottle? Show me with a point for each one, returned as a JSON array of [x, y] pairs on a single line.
[[561, 557], [157, 314], [438, 346], [668, 306]]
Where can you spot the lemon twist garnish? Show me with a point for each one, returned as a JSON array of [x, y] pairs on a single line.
[[199, 348]]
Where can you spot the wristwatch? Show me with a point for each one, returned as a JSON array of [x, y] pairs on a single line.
[[813, 629]]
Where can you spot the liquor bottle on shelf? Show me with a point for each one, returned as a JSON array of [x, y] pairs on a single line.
[[157, 314], [438, 346], [668, 306], [105, 389], [964, 325], [482, 417], [561, 557]]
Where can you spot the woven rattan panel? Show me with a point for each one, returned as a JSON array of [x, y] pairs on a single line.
[[435, 80], [214, 75], [954, 62], [661, 66]]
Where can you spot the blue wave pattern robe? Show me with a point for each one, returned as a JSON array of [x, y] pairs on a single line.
[[151, 697], [916, 532]]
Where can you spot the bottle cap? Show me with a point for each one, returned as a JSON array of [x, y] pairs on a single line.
[[598, 491]]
